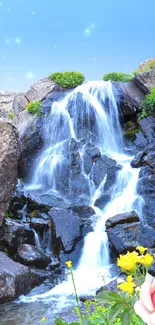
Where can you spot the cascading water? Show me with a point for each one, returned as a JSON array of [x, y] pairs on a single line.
[[99, 118]]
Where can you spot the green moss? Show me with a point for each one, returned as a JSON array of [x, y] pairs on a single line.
[[131, 128], [68, 79], [149, 65], [9, 214], [131, 134], [118, 76], [11, 115], [34, 107], [33, 214]]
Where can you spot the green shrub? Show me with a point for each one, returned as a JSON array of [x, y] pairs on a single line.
[[118, 76], [149, 65], [68, 79], [34, 107], [148, 106]]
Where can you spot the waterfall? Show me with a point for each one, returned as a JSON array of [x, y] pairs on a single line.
[[37, 240], [100, 116]]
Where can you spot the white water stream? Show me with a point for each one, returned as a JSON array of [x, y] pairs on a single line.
[[61, 125]]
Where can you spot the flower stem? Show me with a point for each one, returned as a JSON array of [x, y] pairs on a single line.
[[76, 297]]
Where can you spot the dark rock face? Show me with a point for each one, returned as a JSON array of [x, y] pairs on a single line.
[[12, 234], [14, 279], [9, 157], [126, 237], [105, 166], [103, 200], [130, 98], [67, 228], [32, 256], [122, 218]]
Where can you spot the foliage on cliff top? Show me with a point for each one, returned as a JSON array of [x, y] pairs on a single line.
[[68, 79], [145, 67], [148, 106], [118, 76], [34, 107]]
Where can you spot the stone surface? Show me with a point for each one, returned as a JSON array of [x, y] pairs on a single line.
[[146, 80], [126, 237], [41, 89], [30, 255], [105, 166], [6, 103], [14, 233], [30, 140], [19, 103], [9, 158], [122, 218], [102, 201], [66, 228], [14, 279], [130, 98]]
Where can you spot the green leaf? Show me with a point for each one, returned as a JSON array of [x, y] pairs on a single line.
[[109, 297], [60, 321], [127, 316], [114, 311]]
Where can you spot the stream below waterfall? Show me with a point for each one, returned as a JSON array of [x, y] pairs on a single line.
[[102, 124]]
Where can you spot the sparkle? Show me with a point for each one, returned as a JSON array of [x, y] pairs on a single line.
[[18, 41], [1, 4], [87, 31], [94, 59], [33, 13], [92, 25], [29, 75], [4, 56], [6, 41]]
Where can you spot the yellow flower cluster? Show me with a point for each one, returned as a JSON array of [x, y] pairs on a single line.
[[128, 285], [128, 262], [146, 260], [141, 249]]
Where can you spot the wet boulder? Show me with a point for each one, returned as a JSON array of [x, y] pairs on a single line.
[[103, 200], [126, 237], [32, 256], [127, 217], [92, 151], [105, 166], [66, 229], [129, 98], [12, 234], [14, 279]]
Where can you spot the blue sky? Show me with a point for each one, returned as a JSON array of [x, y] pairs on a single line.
[[38, 37]]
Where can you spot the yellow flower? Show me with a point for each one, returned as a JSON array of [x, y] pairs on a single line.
[[146, 260], [127, 286], [141, 249], [43, 319], [129, 278], [69, 264], [128, 261]]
